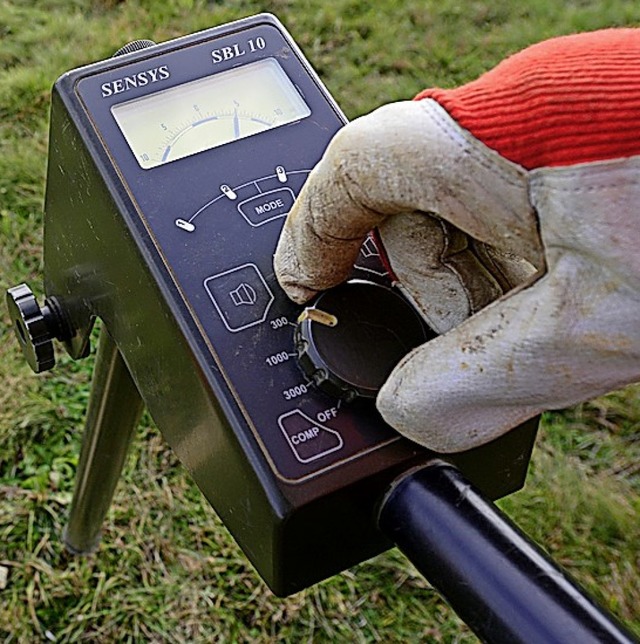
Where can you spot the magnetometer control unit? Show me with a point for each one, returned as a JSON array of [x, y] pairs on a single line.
[[171, 170]]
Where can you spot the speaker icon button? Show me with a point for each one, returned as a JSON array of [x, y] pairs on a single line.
[[241, 296]]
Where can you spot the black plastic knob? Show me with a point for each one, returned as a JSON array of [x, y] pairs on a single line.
[[353, 335], [135, 45], [35, 326]]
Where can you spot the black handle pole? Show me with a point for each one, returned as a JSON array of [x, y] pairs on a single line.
[[495, 578]]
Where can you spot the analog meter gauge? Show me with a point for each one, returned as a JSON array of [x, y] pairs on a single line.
[[209, 112]]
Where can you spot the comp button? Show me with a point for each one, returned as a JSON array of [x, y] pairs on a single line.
[[267, 206], [307, 438]]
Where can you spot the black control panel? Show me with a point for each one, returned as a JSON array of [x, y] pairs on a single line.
[[216, 214]]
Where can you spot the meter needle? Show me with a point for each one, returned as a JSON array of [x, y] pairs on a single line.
[[236, 124]]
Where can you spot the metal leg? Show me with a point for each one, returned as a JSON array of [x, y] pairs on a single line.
[[112, 416]]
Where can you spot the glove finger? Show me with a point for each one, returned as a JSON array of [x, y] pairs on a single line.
[[567, 338], [434, 267], [404, 157], [508, 269]]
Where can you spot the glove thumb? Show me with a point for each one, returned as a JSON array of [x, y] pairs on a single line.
[[522, 354]]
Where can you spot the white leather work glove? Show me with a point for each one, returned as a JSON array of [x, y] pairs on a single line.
[[525, 257]]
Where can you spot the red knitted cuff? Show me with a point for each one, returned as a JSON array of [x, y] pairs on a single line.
[[568, 100]]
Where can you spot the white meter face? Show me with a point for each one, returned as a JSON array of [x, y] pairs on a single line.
[[209, 112]]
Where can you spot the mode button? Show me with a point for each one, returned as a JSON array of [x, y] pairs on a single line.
[[267, 206]]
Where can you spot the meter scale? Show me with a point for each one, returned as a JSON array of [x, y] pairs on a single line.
[[218, 128]]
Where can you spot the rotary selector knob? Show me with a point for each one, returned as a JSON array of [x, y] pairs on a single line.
[[353, 335], [35, 326]]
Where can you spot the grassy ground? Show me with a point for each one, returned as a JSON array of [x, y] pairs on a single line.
[[167, 571]]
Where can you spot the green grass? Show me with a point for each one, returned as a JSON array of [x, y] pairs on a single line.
[[167, 570]]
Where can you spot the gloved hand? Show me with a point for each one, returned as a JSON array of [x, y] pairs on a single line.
[[508, 210]]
